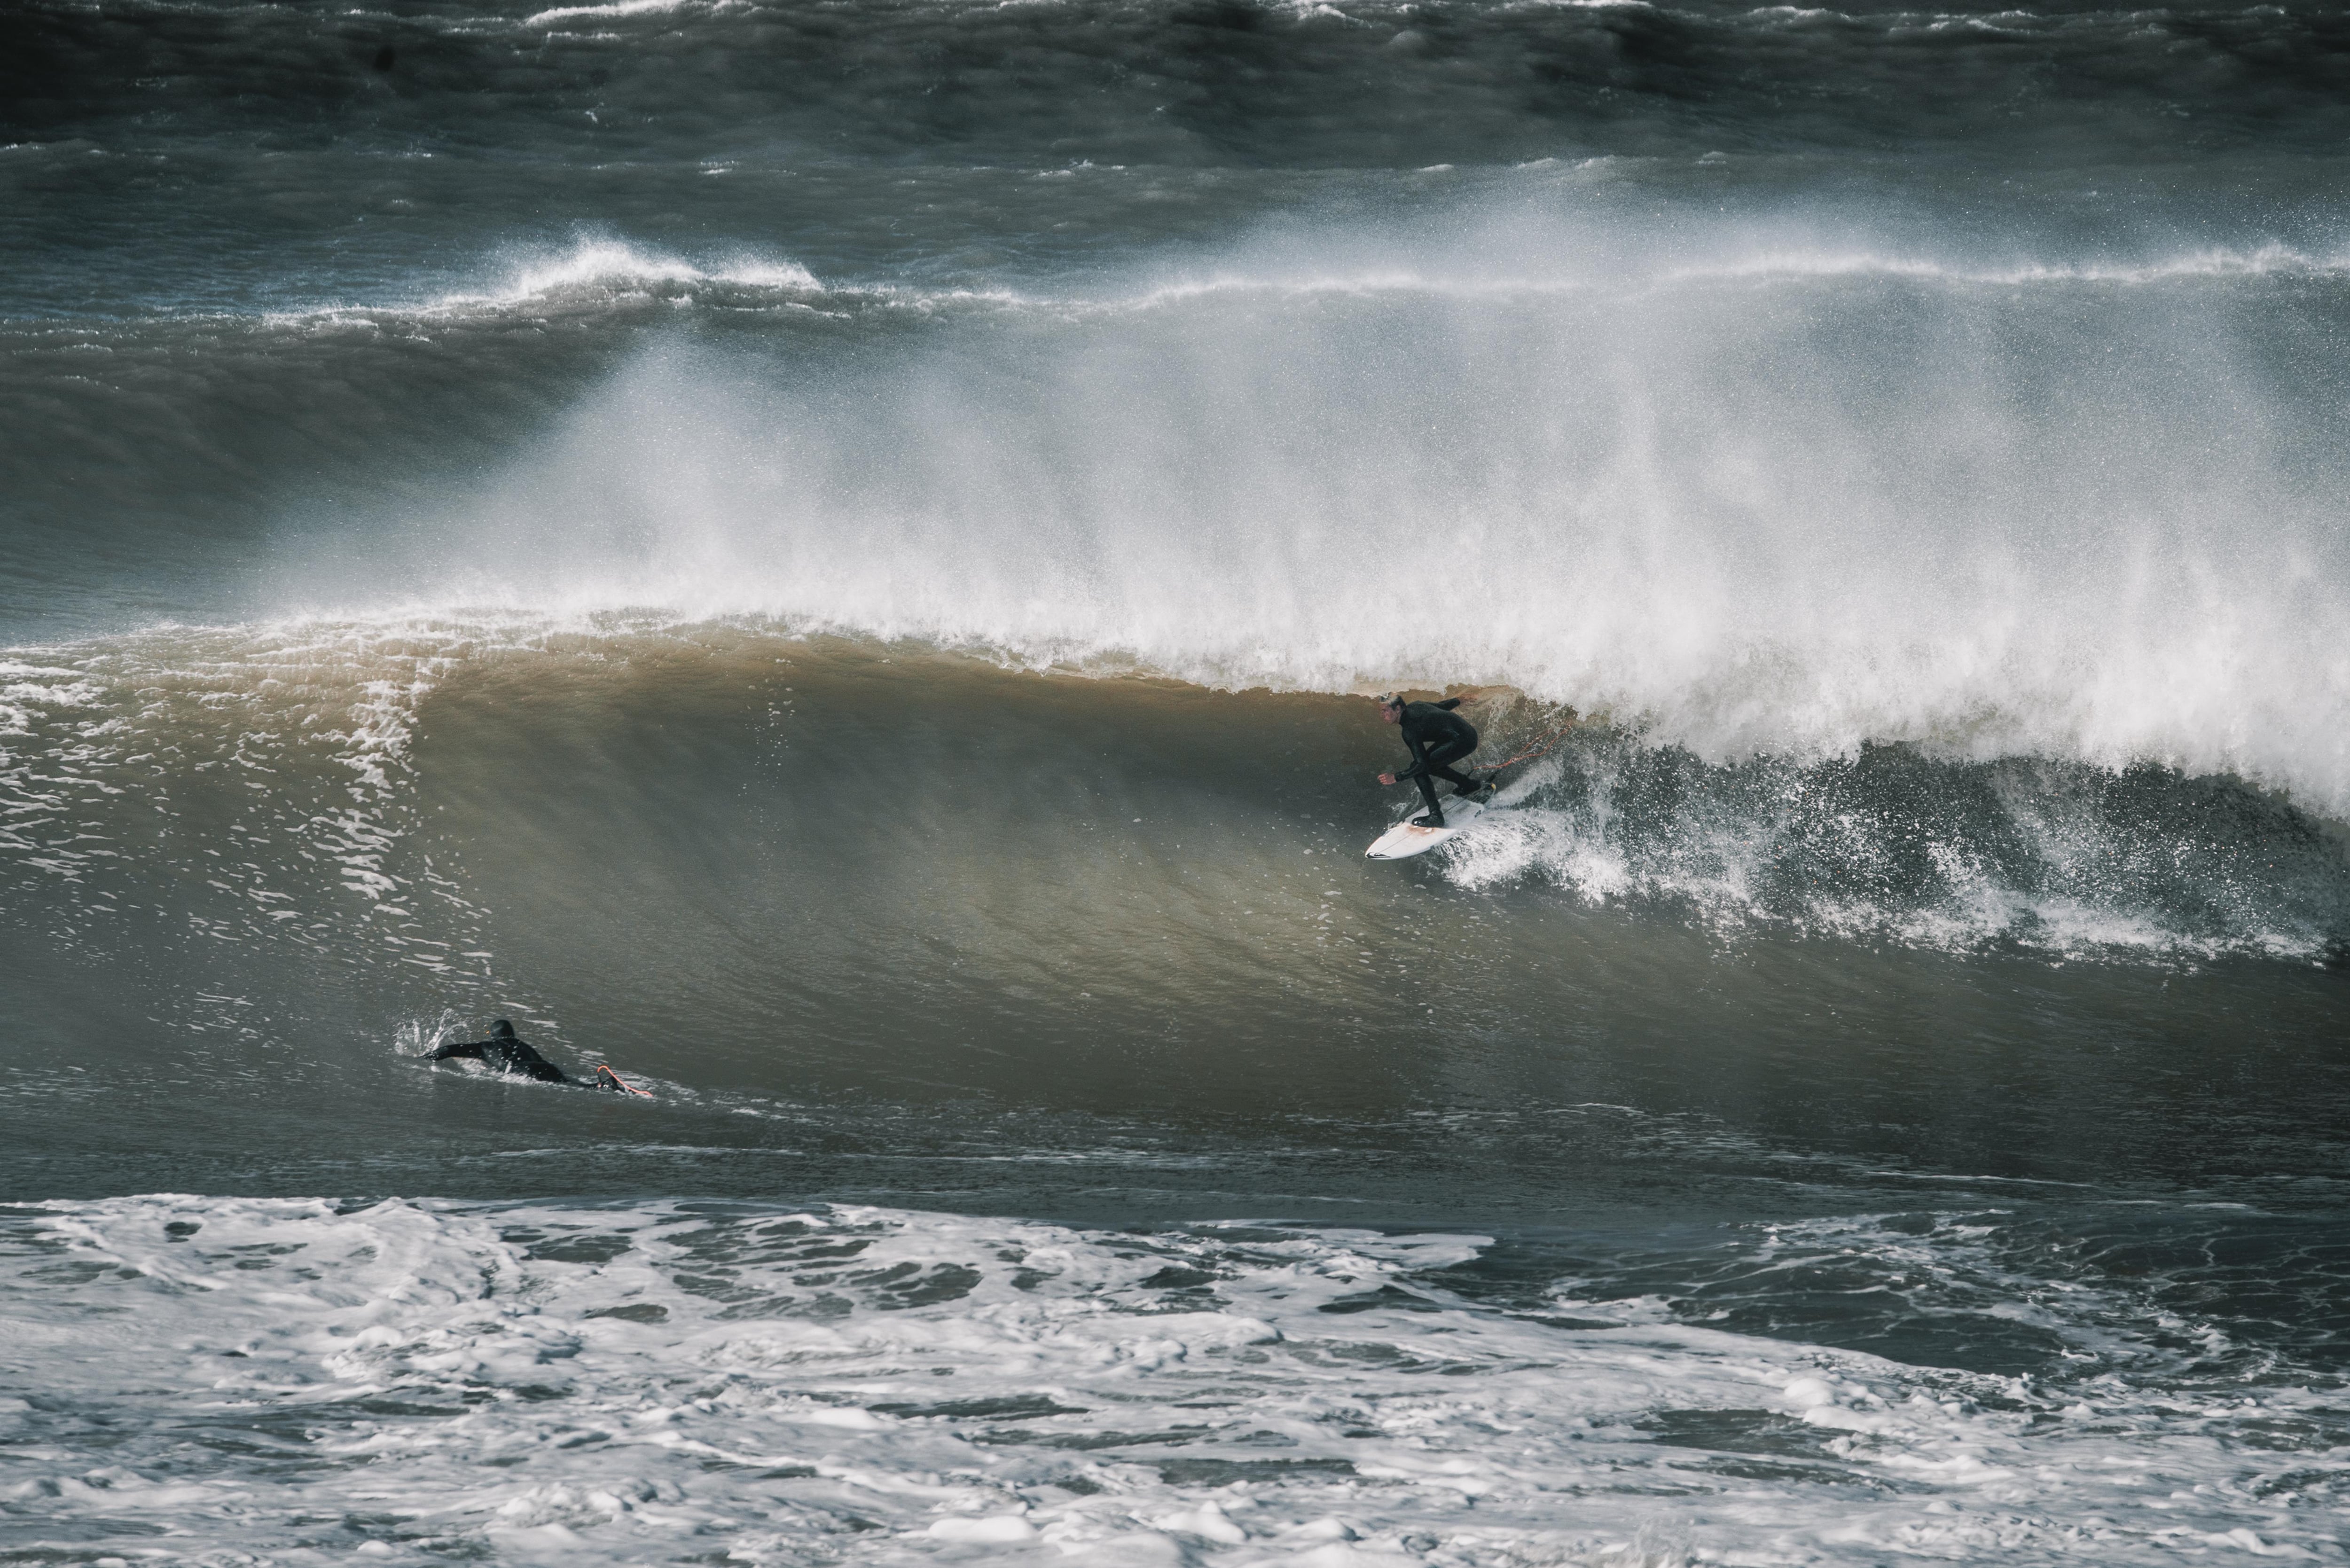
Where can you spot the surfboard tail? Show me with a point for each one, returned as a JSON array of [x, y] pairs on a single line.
[[1413, 836]]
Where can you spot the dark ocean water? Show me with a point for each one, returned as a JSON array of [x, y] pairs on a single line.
[[832, 556]]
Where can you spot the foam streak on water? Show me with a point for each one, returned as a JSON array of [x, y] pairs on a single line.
[[409, 1380]]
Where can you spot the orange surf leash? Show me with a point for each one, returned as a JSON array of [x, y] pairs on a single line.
[[1542, 748], [604, 1071]]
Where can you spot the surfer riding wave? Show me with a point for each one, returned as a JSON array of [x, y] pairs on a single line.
[[1437, 737]]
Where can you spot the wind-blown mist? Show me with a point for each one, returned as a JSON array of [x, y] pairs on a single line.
[[1778, 502]]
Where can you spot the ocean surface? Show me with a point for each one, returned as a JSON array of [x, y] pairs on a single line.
[[832, 556]]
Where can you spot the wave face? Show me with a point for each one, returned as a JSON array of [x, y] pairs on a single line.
[[368, 793], [833, 559]]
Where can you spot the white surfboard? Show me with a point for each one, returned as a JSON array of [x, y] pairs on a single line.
[[1409, 838]]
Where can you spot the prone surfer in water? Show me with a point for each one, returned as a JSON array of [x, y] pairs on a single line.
[[1437, 736], [506, 1051]]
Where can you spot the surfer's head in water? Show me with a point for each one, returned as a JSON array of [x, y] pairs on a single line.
[[1391, 707], [501, 1030]]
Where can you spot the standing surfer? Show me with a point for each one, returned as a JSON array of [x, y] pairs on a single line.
[[1437, 736]]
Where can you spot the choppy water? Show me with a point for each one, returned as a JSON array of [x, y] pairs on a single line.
[[830, 555], [865, 1385]]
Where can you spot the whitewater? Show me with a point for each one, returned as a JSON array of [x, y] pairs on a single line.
[[860, 1384]]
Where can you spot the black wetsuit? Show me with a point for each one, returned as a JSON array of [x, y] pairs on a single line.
[[1437, 735], [503, 1052]]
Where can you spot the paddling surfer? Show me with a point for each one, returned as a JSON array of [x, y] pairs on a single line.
[[1437, 736], [506, 1051]]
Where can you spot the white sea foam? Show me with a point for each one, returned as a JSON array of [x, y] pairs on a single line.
[[1769, 263], [2045, 870], [600, 270], [593, 275], [617, 8], [272, 1380], [611, 265]]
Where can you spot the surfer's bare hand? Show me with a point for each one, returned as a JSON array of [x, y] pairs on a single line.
[[1387, 778]]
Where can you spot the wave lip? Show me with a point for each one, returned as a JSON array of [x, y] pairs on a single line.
[[617, 8], [600, 271], [2266, 260], [609, 262], [611, 275], [1763, 263], [597, 271]]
